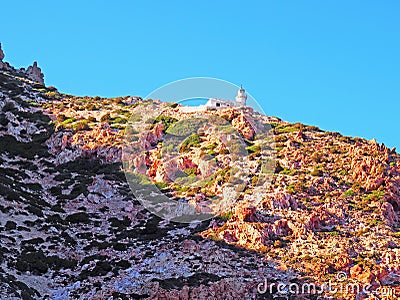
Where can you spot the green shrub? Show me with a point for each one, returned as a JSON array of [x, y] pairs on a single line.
[[3, 120], [118, 120], [226, 215], [80, 217], [284, 128], [80, 125], [290, 189], [90, 106], [269, 166], [161, 185], [349, 193], [353, 206], [123, 112], [224, 151], [254, 180], [210, 147], [289, 172], [281, 138], [186, 180], [312, 128], [137, 179], [51, 95], [333, 233], [166, 120], [172, 105], [34, 262], [193, 140], [374, 196], [316, 172], [68, 121], [27, 150], [10, 225], [211, 152], [105, 118], [186, 127], [190, 171], [374, 222], [9, 106], [61, 117], [253, 149]]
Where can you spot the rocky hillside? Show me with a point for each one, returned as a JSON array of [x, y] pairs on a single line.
[[304, 205]]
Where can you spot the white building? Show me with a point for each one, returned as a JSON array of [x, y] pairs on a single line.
[[240, 100], [217, 103]]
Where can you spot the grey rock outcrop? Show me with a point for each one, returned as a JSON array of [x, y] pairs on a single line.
[[1, 54], [35, 73], [1, 57]]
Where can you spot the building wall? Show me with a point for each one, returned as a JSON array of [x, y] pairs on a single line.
[[220, 103], [189, 109]]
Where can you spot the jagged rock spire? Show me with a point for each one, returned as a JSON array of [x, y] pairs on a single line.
[[1, 53], [35, 73]]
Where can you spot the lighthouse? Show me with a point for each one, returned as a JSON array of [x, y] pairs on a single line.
[[241, 97]]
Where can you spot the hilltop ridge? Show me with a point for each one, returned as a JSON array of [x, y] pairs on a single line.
[[71, 227], [32, 73]]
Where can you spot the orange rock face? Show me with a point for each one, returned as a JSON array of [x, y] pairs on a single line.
[[243, 125]]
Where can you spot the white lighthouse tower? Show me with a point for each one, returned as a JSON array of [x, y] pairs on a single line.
[[241, 97]]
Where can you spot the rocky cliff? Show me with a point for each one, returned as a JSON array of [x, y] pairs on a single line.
[[32, 73], [307, 205]]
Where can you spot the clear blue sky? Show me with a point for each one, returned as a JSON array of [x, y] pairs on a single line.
[[334, 64]]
